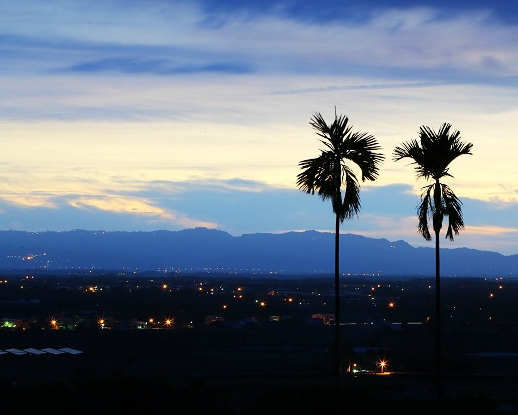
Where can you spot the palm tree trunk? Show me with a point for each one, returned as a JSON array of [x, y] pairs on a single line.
[[337, 303], [438, 357], [437, 224]]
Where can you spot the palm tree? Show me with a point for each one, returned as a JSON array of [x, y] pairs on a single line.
[[431, 157], [329, 174]]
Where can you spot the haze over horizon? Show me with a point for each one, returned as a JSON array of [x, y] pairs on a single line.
[[146, 115]]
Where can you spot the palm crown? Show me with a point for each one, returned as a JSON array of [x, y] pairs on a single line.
[[431, 156], [328, 173]]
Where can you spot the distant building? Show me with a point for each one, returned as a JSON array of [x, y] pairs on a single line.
[[214, 319], [326, 319]]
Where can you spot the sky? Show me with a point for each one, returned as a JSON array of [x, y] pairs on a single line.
[[146, 115]]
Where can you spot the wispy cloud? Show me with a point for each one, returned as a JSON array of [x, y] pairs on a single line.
[[158, 67], [140, 207], [173, 38], [489, 230], [30, 201]]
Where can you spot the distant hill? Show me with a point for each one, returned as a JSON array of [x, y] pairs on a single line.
[[309, 252]]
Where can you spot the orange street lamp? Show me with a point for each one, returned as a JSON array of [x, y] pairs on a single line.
[[382, 364]]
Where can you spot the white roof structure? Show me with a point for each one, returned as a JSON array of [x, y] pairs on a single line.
[[47, 350]]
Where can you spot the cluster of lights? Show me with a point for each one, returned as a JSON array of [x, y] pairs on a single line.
[[381, 364], [237, 293], [167, 322]]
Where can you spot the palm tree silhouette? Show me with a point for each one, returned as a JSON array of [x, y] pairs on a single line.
[[431, 157], [329, 173]]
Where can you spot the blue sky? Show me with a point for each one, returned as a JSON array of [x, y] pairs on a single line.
[[144, 115]]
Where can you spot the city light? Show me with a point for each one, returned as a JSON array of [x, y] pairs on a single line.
[[382, 364]]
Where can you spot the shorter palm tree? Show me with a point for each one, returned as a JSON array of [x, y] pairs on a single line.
[[431, 157]]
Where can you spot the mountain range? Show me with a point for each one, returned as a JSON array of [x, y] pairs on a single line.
[[211, 250]]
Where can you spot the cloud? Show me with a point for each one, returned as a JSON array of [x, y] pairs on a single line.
[[490, 230], [30, 201], [158, 67], [174, 38], [140, 207]]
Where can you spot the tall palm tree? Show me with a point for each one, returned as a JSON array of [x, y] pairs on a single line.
[[331, 177], [431, 157]]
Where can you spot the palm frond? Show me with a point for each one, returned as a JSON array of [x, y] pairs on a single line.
[[363, 150], [441, 148], [351, 204], [332, 134], [317, 175], [306, 179], [425, 209], [413, 151], [452, 207]]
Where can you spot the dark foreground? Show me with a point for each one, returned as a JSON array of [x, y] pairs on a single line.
[[163, 372], [289, 394], [271, 353]]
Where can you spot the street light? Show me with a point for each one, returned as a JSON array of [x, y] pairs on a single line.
[[382, 364]]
